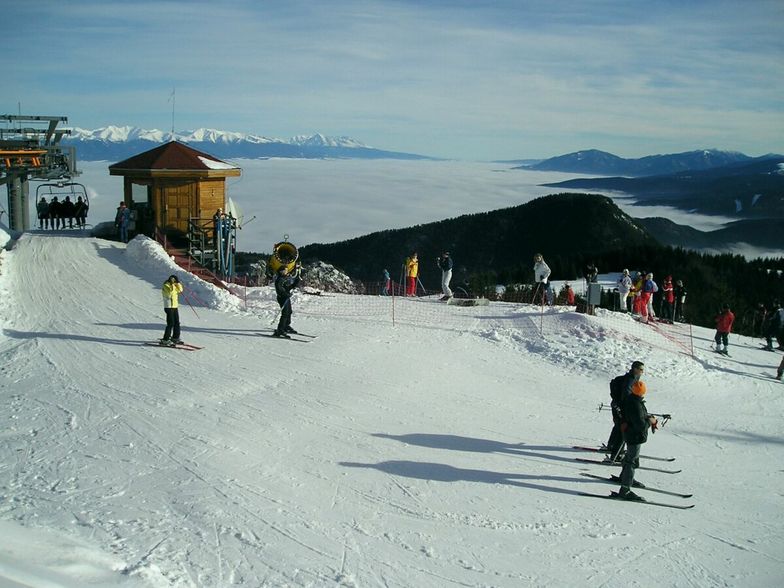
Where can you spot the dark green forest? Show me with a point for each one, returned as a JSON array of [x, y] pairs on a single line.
[[570, 230]]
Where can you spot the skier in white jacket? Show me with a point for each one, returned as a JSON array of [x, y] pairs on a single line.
[[541, 276], [624, 287]]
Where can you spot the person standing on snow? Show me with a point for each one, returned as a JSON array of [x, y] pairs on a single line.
[[624, 287], [680, 300], [170, 291], [541, 276], [122, 220], [774, 328], [649, 288], [637, 284], [590, 272], [635, 424], [387, 282], [569, 294], [620, 389], [668, 300], [646, 298], [445, 264], [285, 282], [412, 272], [724, 322]]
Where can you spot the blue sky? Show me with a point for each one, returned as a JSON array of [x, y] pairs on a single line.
[[459, 79]]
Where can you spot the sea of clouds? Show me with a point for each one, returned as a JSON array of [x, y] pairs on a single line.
[[324, 201]]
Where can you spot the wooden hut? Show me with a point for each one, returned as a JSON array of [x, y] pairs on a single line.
[[172, 185]]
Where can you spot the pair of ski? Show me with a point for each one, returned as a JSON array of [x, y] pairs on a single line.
[[616, 480], [616, 496], [299, 337], [604, 450], [183, 346]]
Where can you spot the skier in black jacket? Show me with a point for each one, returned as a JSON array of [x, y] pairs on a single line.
[[285, 282], [636, 422], [620, 389]]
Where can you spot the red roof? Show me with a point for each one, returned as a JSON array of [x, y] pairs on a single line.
[[171, 155]]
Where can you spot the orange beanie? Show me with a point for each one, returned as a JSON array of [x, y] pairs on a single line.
[[638, 388]]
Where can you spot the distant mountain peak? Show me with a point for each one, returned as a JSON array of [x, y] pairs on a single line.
[[596, 162]]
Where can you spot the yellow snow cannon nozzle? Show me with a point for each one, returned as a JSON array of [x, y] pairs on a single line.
[[284, 254]]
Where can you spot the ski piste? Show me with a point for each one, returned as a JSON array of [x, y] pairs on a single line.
[[183, 346], [617, 480], [615, 496], [619, 464], [604, 450]]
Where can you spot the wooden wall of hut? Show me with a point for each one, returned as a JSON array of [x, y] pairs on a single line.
[[212, 196], [173, 202]]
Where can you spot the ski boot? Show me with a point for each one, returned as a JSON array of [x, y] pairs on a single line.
[[626, 494]]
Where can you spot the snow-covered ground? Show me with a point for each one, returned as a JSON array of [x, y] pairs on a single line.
[[432, 451]]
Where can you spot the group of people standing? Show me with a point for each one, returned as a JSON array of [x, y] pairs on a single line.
[[636, 296], [54, 214], [284, 280], [411, 270], [631, 422]]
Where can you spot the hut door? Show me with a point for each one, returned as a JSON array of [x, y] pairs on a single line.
[[178, 206]]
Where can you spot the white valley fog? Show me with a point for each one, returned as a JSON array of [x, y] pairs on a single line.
[[324, 201]]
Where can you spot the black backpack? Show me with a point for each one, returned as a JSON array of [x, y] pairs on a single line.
[[617, 389]]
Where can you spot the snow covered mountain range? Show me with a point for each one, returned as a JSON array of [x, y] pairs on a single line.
[[117, 142], [126, 133]]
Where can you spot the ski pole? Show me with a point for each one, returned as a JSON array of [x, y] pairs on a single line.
[[193, 294], [189, 304], [422, 286], [280, 311], [536, 291], [618, 451], [664, 418]]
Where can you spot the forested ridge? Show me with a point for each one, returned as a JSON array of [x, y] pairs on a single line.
[[570, 230]]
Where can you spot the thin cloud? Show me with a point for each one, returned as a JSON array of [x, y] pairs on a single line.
[[455, 79]]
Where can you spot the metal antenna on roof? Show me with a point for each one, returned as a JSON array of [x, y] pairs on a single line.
[[173, 100]]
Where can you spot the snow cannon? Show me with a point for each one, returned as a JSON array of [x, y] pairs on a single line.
[[284, 254]]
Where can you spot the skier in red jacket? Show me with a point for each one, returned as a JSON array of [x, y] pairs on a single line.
[[668, 300], [724, 322]]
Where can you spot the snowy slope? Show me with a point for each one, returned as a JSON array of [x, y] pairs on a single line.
[[432, 452]]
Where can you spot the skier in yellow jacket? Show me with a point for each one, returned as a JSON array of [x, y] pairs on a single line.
[[412, 271], [170, 292]]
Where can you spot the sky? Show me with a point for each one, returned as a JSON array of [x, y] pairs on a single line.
[[410, 444], [454, 79]]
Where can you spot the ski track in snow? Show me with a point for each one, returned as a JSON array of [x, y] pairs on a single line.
[[435, 452]]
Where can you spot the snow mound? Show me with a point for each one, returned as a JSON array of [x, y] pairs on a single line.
[[148, 254]]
